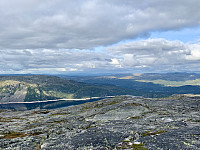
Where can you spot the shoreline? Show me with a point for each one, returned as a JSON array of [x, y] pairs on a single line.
[[83, 99], [45, 101]]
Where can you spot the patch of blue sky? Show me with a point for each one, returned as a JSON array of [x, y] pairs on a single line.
[[187, 35], [99, 49]]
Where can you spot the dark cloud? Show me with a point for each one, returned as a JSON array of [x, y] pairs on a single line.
[[85, 24]]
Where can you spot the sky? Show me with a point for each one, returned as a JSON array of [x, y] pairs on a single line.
[[99, 36]]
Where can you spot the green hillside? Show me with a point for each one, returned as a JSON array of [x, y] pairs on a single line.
[[40, 87]]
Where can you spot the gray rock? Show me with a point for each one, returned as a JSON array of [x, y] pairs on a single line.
[[123, 122]]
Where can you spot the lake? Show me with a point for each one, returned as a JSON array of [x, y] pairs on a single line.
[[46, 104]]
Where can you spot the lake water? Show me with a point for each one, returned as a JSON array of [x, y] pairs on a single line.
[[45, 105]]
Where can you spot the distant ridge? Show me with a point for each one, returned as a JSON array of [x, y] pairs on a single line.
[[153, 85]]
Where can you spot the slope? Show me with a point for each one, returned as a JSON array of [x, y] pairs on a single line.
[[41, 87]]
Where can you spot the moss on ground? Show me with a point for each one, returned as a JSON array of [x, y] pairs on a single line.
[[138, 147], [149, 133], [12, 135]]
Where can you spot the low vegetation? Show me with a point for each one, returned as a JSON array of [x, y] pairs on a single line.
[[173, 83]]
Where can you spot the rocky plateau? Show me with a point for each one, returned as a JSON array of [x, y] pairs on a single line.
[[123, 122]]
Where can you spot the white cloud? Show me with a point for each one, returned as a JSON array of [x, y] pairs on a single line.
[[52, 61], [194, 52], [148, 55], [130, 60], [154, 53], [73, 69], [114, 61]]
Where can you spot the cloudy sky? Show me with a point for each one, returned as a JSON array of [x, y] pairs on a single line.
[[99, 36]]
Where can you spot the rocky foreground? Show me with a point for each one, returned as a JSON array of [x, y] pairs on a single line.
[[123, 122]]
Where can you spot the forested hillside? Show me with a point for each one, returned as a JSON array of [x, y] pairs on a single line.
[[40, 87]]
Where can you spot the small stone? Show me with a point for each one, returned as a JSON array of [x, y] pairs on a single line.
[[1, 135], [137, 143]]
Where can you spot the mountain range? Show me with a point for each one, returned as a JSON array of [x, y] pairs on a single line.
[[27, 88]]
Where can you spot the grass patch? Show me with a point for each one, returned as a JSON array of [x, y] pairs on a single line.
[[136, 117], [41, 112], [197, 121], [36, 133], [10, 119], [12, 135], [149, 133], [138, 147]]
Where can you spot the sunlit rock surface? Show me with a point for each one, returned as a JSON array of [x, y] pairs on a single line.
[[123, 122]]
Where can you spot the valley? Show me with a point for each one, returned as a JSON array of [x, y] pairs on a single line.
[[28, 88], [41, 87], [145, 112], [152, 85]]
